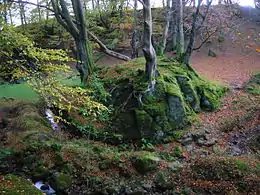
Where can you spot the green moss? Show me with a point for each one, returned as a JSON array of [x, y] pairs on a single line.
[[179, 94], [62, 181], [40, 173], [146, 162], [156, 109], [144, 121], [13, 185]]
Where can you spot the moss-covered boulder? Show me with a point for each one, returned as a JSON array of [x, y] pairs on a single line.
[[61, 181], [179, 93], [146, 162], [13, 185]]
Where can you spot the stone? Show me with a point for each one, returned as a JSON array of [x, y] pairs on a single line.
[[146, 163], [212, 53], [188, 148], [147, 186], [221, 39], [138, 191], [176, 111], [197, 135], [144, 122], [186, 141], [161, 181], [207, 143]]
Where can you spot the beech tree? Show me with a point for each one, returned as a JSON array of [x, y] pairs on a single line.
[[148, 49], [180, 44], [78, 30], [166, 26], [174, 25], [186, 56], [134, 53]]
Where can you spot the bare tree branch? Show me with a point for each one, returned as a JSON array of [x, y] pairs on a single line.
[[108, 51], [30, 3]]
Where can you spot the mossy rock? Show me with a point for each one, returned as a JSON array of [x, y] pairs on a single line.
[[40, 174], [144, 122], [146, 163], [178, 94], [61, 181], [212, 53], [13, 185]]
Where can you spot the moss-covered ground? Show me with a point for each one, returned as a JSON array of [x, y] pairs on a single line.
[[79, 166], [13, 185]]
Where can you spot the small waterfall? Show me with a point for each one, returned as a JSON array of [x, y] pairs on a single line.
[[50, 117]]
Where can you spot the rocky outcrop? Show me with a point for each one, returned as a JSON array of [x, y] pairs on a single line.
[[178, 95]]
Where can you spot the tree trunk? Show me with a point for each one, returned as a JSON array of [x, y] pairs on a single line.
[[181, 44], [134, 34], [166, 27], [187, 55], [85, 63], [78, 31], [11, 16], [174, 25], [39, 11], [21, 14], [163, 3], [148, 49], [93, 5], [5, 11]]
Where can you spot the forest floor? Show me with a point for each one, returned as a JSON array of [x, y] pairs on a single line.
[[238, 58], [234, 127]]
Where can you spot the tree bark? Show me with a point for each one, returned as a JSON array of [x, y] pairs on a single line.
[[134, 46], [5, 11], [108, 51], [187, 55], [78, 32], [39, 11], [21, 12], [174, 25], [11, 16], [148, 49], [166, 26], [181, 44]]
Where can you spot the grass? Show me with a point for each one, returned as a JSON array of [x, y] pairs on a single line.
[[24, 92], [18, 91]]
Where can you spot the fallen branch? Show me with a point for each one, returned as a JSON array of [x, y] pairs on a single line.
[[107, 51]]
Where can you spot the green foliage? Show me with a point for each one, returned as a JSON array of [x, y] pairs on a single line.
[[20, 59], [145, 144], [13, 185], [4, 152], [97, 89], [62, 181], [43, 69]]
